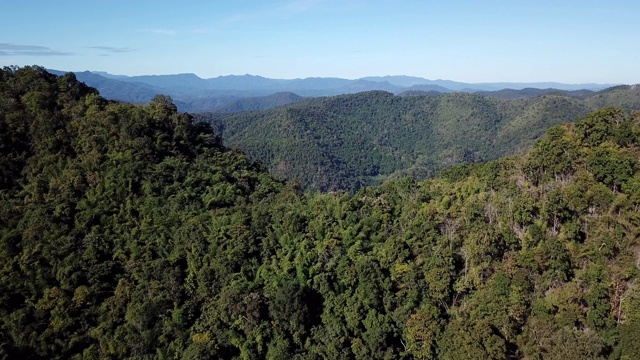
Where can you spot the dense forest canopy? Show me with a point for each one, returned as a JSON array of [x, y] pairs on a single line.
[[130, 231], [349, 141]]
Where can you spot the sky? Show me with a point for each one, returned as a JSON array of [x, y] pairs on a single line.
[[570, 41]]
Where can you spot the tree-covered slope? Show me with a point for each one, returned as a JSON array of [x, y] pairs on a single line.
[[623, 96], [348, 141], [102, 212], [260, 103], [510, 94], [131, 232]]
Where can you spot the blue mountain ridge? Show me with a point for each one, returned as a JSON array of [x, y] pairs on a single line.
[[192, 93]]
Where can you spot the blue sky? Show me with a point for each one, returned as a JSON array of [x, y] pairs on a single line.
[[572, 41]]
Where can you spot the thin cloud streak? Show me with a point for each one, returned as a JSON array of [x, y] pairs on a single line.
[[7, 49], [113, 49]]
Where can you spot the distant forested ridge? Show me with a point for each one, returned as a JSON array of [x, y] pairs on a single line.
[[130, 231], [349, 141]]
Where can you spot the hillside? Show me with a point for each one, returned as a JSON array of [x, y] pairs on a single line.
[[349, 141], [531, 92], [96, 199], [623, 96], [259, 103], [130, 231]]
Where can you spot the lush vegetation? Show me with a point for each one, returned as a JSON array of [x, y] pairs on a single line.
[[129, 231], [260, 103], [346, 142], [531, 92]]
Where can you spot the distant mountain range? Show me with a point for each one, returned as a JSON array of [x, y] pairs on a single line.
[[249, 92]]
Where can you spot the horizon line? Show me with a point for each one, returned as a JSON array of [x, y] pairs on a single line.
[[97, 72]]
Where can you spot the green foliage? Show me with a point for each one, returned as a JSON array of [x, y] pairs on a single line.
[[608, 124], [611, 165], [129, 231], [552, 156], [349, 141]]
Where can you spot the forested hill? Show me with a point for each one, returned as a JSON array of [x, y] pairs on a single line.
[[345, 142], [129, 231], [118, 222]]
